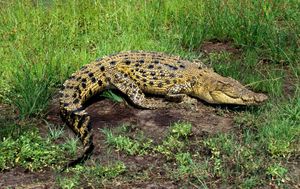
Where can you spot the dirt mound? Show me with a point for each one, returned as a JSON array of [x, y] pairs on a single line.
[[204, 118], [154, 124]]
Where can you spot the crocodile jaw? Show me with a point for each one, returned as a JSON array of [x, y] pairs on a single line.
[[216, 89], [246, 97]]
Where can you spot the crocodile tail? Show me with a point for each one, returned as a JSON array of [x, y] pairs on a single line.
[[79, 121], [74, 115], [76, 91]]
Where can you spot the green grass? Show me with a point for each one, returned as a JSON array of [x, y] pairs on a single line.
[[280, 132], [30, 151], [43, 42], [130, 146], [94, 176]]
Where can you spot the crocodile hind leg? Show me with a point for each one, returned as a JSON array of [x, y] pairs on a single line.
[[135, 94]]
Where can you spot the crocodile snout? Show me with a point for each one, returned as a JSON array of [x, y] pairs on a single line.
[[253, 98], [260, 97]]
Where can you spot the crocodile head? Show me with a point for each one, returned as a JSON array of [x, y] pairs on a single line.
[[217, 89]]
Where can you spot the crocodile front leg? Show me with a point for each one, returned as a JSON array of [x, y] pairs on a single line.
[[135, 94], [177, 93]]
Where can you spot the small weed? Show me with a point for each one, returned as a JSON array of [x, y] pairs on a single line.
[[55, 132], [277, 173], [185, 163], [181, 129], [187, 168], [91, 176], [170, 146], [68, 182], [173, 142], [112, 96], [126, 144], [71, 145], [250, 182], [222, 142]]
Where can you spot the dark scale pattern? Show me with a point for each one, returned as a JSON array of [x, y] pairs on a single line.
[[172, 75], [155, 61], [127, 62], [113, 63], [91, 74], [100, 83], [76, 101], [151, 66], [102, 68]]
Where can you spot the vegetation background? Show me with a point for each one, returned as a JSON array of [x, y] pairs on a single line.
[[43, 41]]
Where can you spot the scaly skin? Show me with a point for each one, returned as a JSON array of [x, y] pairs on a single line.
[[136, 73]]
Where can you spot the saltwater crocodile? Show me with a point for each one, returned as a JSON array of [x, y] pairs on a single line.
[[138, 73]]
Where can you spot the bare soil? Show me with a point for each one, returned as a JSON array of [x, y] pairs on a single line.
[[217, 46]]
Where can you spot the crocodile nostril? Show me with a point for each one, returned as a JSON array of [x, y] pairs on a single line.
[[261, 97]]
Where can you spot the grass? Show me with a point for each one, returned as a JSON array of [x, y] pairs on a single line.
[[130, 146], [43, 42], [30, 151], [90, 176]]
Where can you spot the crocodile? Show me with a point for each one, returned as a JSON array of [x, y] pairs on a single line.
[[136, 73]]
